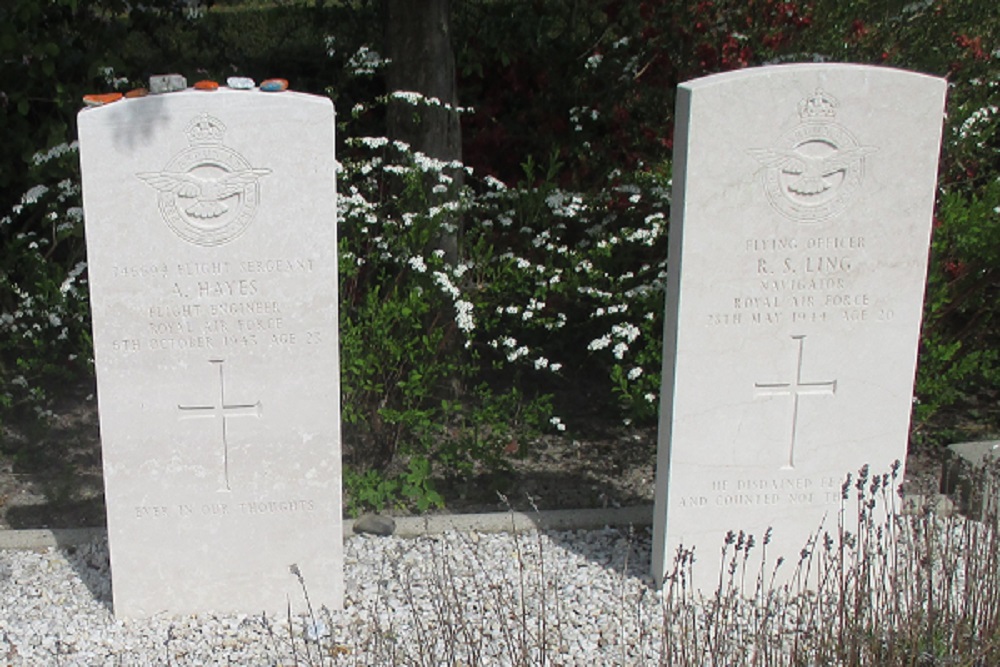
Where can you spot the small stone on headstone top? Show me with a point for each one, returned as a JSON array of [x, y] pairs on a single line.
[[240, 83], [100, 99], [274, 85], [166, 83], [206, 84]]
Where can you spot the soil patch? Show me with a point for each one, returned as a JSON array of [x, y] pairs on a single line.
[[51, 477]]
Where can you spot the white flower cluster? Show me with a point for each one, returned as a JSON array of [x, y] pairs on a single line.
[[451, 206], [464, 318], [430, 165], [628, 332], [371, 142], [528, 312], [565, 205], [366, 62], [510, 344], [578, 114], [353, 205], [977, 119], [515, 351], [587, 290], [599, 343], [34, 194], [68, 285], [610, 310], [58, 150], [110, 79], [651, 233], [415, 98], [494, 183], [448, 287], [625, 334]]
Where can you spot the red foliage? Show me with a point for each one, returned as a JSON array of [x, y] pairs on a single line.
[[974, 45], [955, 268], [858, 30], [524, 106]]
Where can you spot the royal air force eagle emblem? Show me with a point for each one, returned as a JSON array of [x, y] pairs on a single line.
[[208, 192], [814, 170]]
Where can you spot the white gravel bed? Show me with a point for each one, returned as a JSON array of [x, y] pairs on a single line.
[[572, 598]]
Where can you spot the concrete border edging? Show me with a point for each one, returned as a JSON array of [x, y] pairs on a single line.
[[505, 522], [43, 538], [639, 516], [406, 527]]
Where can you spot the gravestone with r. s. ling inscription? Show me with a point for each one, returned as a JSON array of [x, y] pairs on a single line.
[[212, 256], [803, 198]]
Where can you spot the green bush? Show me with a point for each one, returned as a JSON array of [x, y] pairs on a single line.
[[960, 347], [417, 391], [593, 83], [450, 366], [51, 54]]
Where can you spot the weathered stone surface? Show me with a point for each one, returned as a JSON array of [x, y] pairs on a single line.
[[970, 476], [212, 250], [802, 210]]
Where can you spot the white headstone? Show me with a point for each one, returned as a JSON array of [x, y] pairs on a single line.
[[803, 198], [212, 257]]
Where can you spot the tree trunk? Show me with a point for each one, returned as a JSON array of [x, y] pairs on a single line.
[[418, 45]]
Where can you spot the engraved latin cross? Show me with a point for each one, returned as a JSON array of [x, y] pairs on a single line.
[[222, 411], [795, 389]]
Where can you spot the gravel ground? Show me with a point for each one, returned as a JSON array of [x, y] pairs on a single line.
[[455, 598]]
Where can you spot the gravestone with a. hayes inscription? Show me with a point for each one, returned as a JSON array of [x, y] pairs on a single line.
[[212, 257], [803, 197]]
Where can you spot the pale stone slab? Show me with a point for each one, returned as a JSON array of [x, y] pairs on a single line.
[[970, 477], [803, 198], [212, 256]]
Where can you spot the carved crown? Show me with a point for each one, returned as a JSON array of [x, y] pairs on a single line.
[[206, 129], [818, 106]]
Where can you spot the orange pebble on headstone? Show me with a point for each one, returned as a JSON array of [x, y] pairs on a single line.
[[98, 99], [206, 85]]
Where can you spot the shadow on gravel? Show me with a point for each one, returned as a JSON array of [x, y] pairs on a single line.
[[90, 560]]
